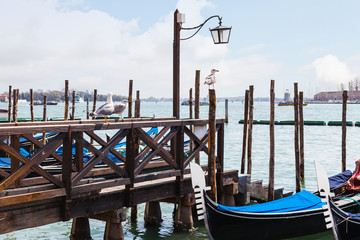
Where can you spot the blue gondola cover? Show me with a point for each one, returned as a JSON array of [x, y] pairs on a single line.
[[300, 201]]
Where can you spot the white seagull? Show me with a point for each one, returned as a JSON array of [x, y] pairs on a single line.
[[210, 80], [119, 108], [106, 109]]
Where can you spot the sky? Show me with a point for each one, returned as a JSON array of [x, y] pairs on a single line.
[[103, 44]]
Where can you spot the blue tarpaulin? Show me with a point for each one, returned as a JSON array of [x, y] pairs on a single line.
[[300, 201], [339, 179]]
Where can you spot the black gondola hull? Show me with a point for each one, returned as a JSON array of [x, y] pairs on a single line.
[[242, 225], [346, 228]]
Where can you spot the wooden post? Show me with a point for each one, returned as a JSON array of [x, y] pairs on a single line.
[[211, 145], [183, 220], [15, 106], [130, 98], [272, 143], [343, 141], [15, 143], [296, 142], [137, 105], [226, 110], [176, 67], [15, 139], [9, 113], [73, 106], [251, 114], [197, 94], [134, 211], [301, 131], [32, 104], [152, 215], [220, 163], [87, 109], [66, 114], [93, 110], [44, 118], [80, 229], [94, 103], [190, 104], [66, 172], [197, 104], [246, 115]]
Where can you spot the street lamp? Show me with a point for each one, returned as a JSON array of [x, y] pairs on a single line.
[[220, 35]]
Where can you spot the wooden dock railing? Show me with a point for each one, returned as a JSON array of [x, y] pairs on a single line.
[[70, 178]]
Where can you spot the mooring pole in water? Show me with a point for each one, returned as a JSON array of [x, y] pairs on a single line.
[[66, 114], [94, 103], [93, 110], [32, 104], [245, 129], [343, 141], [87, 108], [272, 142], [190, 104], [130, 98], [211, 145], [44, 118], [251, 115], [226, 110], [296, 124], [9, 99], [301, 128], [15, 104], [73, 106], [137, 104], [197, 104]]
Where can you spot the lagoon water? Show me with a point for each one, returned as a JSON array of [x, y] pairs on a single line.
[[322, 143]]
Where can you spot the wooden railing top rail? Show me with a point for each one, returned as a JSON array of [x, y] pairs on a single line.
[[5, 124], [37, 127]]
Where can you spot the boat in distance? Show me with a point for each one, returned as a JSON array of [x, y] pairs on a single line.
[[297, 215], [289, 103]]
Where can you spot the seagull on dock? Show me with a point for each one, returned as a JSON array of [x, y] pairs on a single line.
[[210, 80], [107, 109], [119, 108]]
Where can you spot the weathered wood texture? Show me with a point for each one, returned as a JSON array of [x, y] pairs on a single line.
[[343, 135], [272, 142], [130, 99], [73, 193], [296, 136], [251, 116], [301, 137], [245, 125], [66, 112]]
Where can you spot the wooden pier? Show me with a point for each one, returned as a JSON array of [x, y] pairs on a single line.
[[31, 195]]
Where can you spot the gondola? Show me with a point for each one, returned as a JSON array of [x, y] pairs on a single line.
[[297, 215], [345, 225]]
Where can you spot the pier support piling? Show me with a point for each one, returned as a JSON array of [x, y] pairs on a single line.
[[183, 219], [152, 214], [80, 229]]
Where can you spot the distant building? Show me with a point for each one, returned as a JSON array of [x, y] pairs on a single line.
[[287, 95], [3, 97], [337, 96]]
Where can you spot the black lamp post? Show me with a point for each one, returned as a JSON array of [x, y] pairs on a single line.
[[220, 35]]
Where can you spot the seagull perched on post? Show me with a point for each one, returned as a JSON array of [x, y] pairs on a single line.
[[119, 108], [107, 109], [210, 80]]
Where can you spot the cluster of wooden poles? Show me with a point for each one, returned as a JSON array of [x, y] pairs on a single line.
[[14, 97], [298, 135]]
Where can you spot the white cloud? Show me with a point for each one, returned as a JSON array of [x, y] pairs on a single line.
[[46, 42], [330, 70]]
